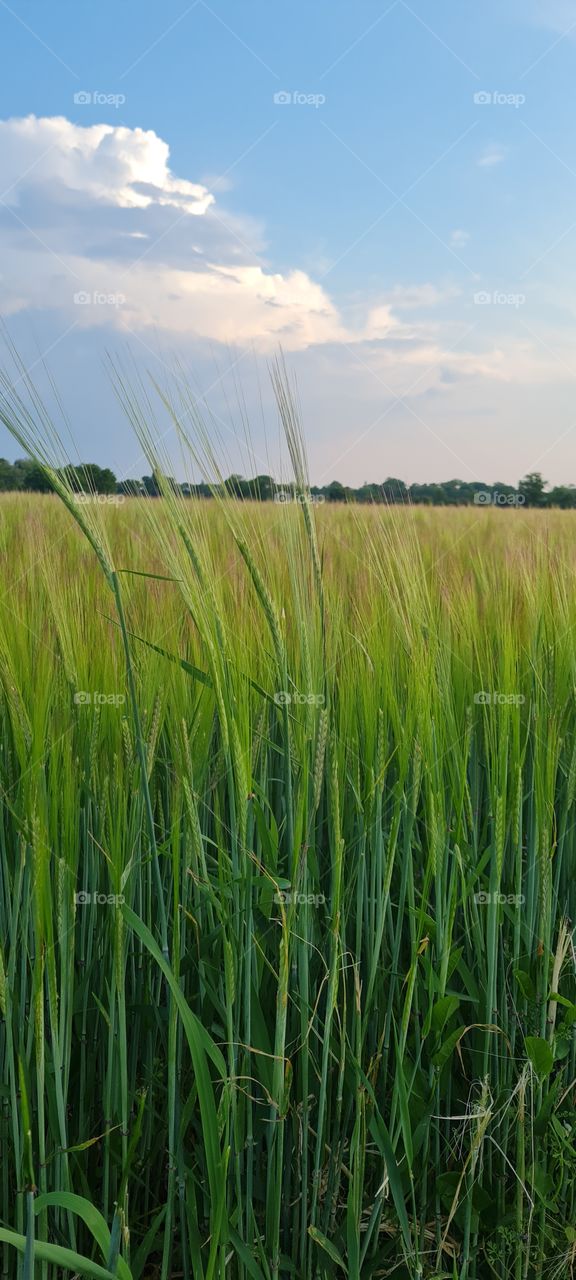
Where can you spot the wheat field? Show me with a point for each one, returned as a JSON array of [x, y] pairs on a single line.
[[287, 860]]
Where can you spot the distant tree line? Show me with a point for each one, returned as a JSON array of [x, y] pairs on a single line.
[[26, 475]]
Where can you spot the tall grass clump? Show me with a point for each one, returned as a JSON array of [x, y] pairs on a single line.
[[287, 855]]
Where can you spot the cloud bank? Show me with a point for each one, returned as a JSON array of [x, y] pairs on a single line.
[[97, 211], [94, 224]]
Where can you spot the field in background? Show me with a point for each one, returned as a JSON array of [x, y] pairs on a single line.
[[326, 1027]]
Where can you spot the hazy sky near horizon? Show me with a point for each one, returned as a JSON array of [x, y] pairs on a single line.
[[386, 190]]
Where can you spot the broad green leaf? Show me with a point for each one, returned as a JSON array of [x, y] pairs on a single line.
[[447, 1048], [322, 1240], [443, 1010], [525, 983], [67, 1259], [540, 1055], [90, 1215]]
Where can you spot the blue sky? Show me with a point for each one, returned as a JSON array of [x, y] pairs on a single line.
[[410, 243]]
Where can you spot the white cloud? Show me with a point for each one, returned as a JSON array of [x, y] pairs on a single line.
[[491, 156], [459, 238], [126, 168], [98, 212], [98, 209]]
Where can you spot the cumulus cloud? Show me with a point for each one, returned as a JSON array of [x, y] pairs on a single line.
[[94, 224], [97, 211], [124, 168]]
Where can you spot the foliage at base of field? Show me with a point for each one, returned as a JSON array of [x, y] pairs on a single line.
[[287, 975]]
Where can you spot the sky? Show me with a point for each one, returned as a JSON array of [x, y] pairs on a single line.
[[385, 191]]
